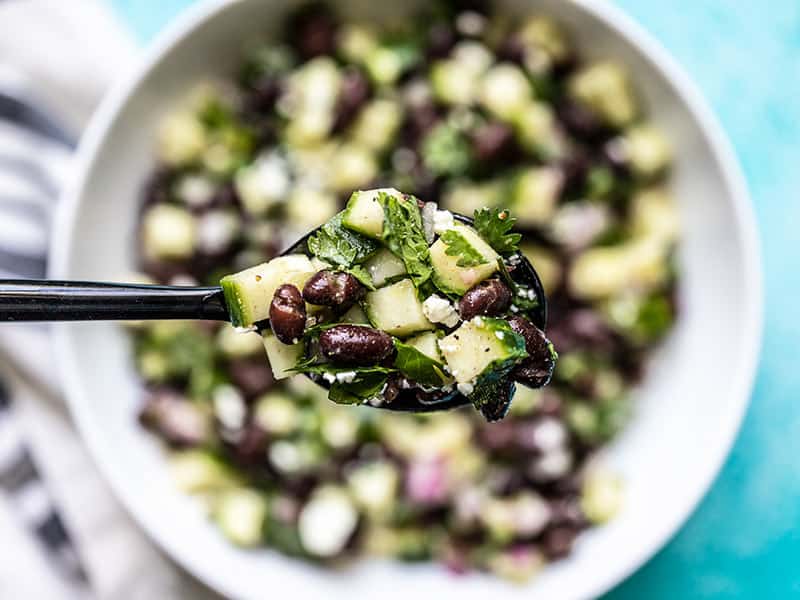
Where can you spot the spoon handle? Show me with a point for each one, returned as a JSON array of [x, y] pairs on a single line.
[[40, 300]]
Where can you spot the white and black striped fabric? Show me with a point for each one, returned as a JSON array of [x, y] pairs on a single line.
[[34, 149]]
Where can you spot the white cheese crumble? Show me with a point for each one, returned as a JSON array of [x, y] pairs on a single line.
[[439, 310], [442, 221], [327, 522], [329, 377], [195, 190], [346, 376], [549, 434], [499, 335], [552, 465], [216, 230], [466, 388], [229, 406]]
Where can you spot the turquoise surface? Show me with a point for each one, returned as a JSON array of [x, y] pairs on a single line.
[[744, 540]]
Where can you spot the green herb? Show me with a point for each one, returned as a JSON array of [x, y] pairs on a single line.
[[404, 235], [492, 396], [417, 366], [520, 299], [340, 246], [310, 365], [457, 245], [445, 151], [362, 388], [493, 225]]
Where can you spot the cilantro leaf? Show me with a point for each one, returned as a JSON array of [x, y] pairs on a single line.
[[340, 246], [362, 388], [417, 366], [457, 245], [404, 235], [446, 151], [522, 294], [493, 225]]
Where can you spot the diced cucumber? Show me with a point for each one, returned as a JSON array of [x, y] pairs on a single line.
[[169, 232], [355, 315], [448, 276], [647, 150], [374, 486], [465, 198], [396, 309], [364, 213], [383, 266], [182, 138], [249, 293], [197, 472], [282, 357], [263, 184], [235, 344], [308, 207], [428, 344], [537, 130], [353, 166], [481, 346], [241, 514], [546, 264], [535, 195], [605, 89], [454, 82], [277, 413], [377, 124], [505, 90]]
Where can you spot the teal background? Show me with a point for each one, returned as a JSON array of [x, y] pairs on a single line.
[[744, 540]]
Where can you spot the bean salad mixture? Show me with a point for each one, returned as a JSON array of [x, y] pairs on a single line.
[[472, 112]]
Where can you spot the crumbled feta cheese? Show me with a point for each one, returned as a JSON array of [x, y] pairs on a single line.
[[470, 23], [329, 377], [442, 221], [549, 434], [263, 183], [439, 310], [346, 377], [478, 321], [229, 406], [499, 335], [327, 522], [286, 456], [466, 388], [195, 191], [551, 465], [216, 230], [531, 514]]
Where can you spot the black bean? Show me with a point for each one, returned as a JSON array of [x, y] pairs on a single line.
[[313, 30], [581, 121], [536, 370], [263, 95], [441, 39], [355, 345], [557, 542], [491, 297], [251, 446], [492, 142], [252, 376], [354, 93], [179, 422], [287, 314], [333, 288]]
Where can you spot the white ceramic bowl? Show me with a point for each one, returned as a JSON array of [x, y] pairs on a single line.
[[687, 412]]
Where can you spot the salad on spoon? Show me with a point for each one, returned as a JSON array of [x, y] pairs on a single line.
[[397, 304]]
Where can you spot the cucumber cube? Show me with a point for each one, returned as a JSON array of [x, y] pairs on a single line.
[[282, 357], [397, 310], [249, 293], [365, 214], [481, 346], [448, 276]]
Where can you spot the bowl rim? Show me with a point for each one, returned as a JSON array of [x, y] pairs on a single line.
[[651, 51]]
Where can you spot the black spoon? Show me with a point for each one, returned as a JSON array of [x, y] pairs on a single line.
[[45, 300]]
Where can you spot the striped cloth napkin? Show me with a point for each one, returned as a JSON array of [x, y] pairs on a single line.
[[68, 537]]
